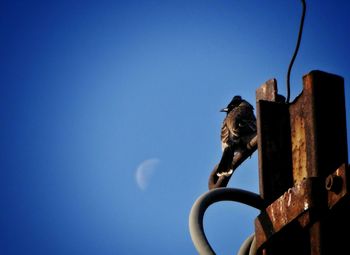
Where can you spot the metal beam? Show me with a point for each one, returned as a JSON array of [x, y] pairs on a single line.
[[311, 148]]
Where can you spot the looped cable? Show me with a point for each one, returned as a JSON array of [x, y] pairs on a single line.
[[210, 197]]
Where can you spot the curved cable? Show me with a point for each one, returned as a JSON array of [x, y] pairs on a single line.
[[296, 50], [204, 201], [247, 247]]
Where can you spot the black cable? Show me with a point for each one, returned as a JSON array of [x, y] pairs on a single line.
[[296, 50]]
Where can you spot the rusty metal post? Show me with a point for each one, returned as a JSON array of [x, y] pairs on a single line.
[[275, 175], [319, 137], [303, 168]]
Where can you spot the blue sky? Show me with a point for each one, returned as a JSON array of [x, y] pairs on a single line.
[[94, 91]]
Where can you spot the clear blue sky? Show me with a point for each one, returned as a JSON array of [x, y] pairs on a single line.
[[93, 92]]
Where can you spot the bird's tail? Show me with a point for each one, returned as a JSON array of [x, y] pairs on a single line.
[[224, 165]]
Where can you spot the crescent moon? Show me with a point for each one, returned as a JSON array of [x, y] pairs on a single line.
[[145, 171]]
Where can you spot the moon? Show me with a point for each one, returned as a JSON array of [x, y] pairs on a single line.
[[145, 171]]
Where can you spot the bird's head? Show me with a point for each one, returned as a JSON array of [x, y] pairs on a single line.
[[236, 100]]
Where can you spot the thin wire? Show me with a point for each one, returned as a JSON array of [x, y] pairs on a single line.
[[296, 50]]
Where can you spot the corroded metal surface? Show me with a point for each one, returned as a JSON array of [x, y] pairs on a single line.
[[307, 190], [275, 175], [293, 205], [299, 148], [336, 185], [318, 127], [267, 91]]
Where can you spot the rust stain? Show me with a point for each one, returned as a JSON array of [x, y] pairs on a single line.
[[337, 193], [299, 149], [294, 204]]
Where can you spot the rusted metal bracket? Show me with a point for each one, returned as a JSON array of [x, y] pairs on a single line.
[[302, 204], [336, 185], [294, 205]]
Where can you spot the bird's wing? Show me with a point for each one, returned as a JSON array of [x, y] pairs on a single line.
[[247, 120], [241, 120], [225, 135], [231, 122], [229, 130]]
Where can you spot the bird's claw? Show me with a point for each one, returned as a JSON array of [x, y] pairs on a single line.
[[226, 174]]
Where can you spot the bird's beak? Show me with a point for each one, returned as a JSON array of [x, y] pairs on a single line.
[[224, 110]]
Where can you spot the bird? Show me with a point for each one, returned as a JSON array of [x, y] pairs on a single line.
[[237, 129]]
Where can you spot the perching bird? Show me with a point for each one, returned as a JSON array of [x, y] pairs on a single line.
[[237, 129]]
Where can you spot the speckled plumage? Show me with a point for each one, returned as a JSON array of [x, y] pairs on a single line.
[[239, 122], [236, 130]]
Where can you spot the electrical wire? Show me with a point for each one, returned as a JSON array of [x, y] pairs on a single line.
[[296, 50], [210, 197], [248, 246]]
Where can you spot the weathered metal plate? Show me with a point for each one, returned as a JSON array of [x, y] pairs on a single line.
[[293, 205], [275, 174]]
